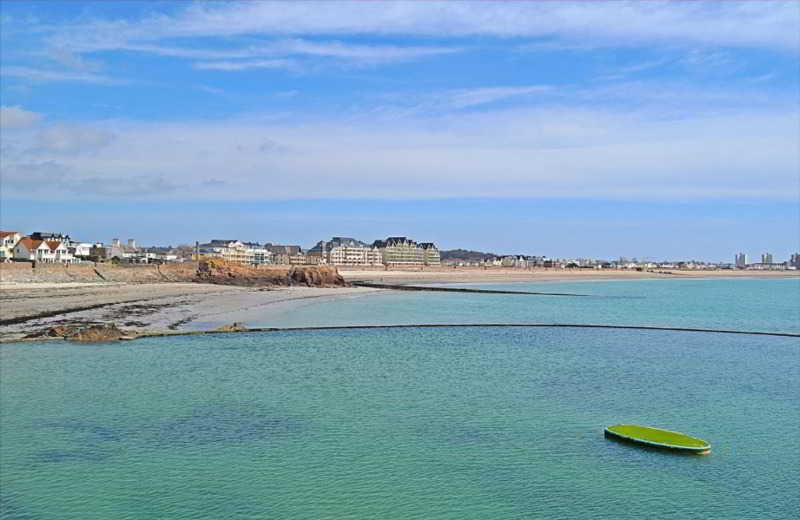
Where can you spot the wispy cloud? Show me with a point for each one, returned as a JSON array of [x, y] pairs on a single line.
[[245, 65], [524, 152], [59, 76], [480, 96]]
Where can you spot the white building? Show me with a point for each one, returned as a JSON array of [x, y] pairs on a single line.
[[402, 251], [8, 239], [50, 251], [766, 258], [81, 249], [237, 251], [345, 251], [740, 260]]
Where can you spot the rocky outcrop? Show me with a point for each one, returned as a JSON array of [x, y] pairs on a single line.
[[215, 270], [96, 334], [316, 276], [233, 327], [91, 334]]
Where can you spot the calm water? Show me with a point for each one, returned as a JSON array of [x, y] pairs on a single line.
[[749, 304], [411, 423]]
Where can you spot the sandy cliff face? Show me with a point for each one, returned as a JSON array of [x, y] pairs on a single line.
[[218, 271]]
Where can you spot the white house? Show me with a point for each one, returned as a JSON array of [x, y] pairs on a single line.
[[42, 251], [8, 239], [30, 249], [81, 249], [59, 252]]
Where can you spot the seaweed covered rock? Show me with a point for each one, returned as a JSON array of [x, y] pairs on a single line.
[[233, 327], [96, 333], [59, 331]]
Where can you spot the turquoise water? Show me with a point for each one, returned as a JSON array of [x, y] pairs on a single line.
[[734, 304], [407, 423]]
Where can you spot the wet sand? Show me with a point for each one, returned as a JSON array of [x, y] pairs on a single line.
[[146, 307]]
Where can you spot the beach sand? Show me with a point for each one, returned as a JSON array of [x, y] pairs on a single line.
[[147, 307]]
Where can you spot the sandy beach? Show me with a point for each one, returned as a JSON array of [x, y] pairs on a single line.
[[168, 306], [146, 307]]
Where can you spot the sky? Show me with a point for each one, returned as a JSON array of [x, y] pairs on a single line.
[[649, 129]]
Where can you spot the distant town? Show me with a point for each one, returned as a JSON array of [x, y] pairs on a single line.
[[391, 252]]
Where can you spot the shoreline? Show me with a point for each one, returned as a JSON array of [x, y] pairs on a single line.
[[183, 333], [439, 275], [151, 307]]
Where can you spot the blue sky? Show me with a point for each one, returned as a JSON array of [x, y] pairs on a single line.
[[599, 129]]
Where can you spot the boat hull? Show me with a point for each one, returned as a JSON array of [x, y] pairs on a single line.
[[685, 450]]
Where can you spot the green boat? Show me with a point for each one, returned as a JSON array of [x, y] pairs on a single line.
[[658, 438]]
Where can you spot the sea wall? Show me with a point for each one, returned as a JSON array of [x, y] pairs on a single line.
[[216, 271], [25, 272]]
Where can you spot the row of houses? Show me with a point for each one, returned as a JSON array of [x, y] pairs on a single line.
[[38, 247], [340, 251], [393, 251], [59, 248], [252, 253]]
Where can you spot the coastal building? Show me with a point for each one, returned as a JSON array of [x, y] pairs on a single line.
[[766, 258], [28, 249], [251, 253], [286, 254], [740, 260], [345, 251], [81, 250], [794, 260], [400, 252], [431, 255], [46, 251], [260, 254], [48, 236], [8, 239], [228, 250]]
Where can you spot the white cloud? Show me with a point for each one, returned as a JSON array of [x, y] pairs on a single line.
[[13, 117], [73, 139], [544, 152], [768, 24]]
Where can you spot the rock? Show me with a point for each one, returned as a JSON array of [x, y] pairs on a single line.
[[96, 333], [316, 276], [217, 270], [53, 332], [233, 327]]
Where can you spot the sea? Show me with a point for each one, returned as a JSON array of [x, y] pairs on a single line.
[[421, 423]]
